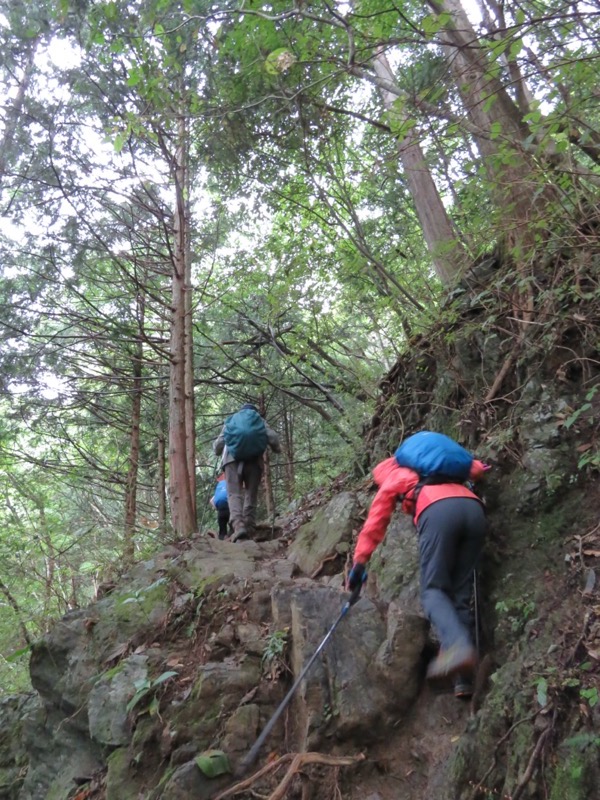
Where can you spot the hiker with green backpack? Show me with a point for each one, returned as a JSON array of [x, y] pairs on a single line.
[[242, 442], [430, 474]]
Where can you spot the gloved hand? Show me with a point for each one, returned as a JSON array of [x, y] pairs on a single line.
[[357, 576], [478, 470]]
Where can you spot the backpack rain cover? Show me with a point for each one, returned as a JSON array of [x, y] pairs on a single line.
[[245, 435], [435, 454]]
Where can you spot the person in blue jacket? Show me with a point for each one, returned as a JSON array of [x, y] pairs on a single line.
[[221, 505]]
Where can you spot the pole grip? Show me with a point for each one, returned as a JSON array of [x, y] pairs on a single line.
[[355, 595]]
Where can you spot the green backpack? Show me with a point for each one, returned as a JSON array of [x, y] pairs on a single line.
[[245, 435]]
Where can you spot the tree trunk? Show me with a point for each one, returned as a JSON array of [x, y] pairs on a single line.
[[162, 462], [134, 438], [497, 127], [288, 448], [14, 112], [180, 480], [446, 250], [190, 417], [267, 476], [15, 607]]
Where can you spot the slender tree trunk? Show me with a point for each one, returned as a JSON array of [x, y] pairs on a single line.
[[15, 607], [134, 438], [267, 476], [162, 462], [447, 253], [190, 416], [288, 438], [180, 481], [14, 112]]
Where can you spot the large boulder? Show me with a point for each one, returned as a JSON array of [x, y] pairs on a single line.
[[327, 534], [370, 669], [394, 567]]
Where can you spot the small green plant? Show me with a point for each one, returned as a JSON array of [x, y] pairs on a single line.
[[590, 455], [276, 644], [273, 657], [517, 613], [591, 695], [147, 686], [541, 685]]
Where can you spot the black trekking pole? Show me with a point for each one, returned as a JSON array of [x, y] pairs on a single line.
[[476, 611], [252, 754]]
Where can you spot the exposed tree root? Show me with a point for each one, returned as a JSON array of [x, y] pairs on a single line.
[[298, 760], [481, 785], [322, 564], [531, 764]]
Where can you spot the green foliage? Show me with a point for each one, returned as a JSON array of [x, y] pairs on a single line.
[[584, 414], [276, 646], [590, 695], [148, 686], [516, 612], [274, 654], [213, 763]]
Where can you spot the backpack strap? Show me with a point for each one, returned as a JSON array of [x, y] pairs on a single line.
[[431, 480]]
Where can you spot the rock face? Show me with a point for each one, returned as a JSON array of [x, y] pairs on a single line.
[[14, 712], [327, 534], [370, 671], [196, 653]]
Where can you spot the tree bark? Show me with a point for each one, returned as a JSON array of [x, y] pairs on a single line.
[[14, 112], [180, 480], [134, 436], [190, 417], [447, 253], [497, 127], [162, 462]]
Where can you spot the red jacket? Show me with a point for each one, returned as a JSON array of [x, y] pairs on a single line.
[[393, 482]]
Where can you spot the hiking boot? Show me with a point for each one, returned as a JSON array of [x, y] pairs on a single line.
[[239, 535], [463, 688], [448, 663]]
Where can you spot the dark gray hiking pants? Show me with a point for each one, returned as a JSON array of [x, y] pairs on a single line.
[[451, 536], [243, 480]]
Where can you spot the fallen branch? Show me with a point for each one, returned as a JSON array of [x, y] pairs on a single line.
[[298, 760], [501, 375]]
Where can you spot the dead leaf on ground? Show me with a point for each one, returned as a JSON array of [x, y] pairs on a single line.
[[117, 652], [248, 696]]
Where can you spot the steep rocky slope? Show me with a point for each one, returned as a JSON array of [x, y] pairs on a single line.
[[175, 672]]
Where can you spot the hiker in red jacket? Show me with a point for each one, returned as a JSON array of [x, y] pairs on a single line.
[[451, 525]]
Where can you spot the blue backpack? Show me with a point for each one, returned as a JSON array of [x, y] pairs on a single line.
[[435, 457], [245, 435], [220, 496]]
